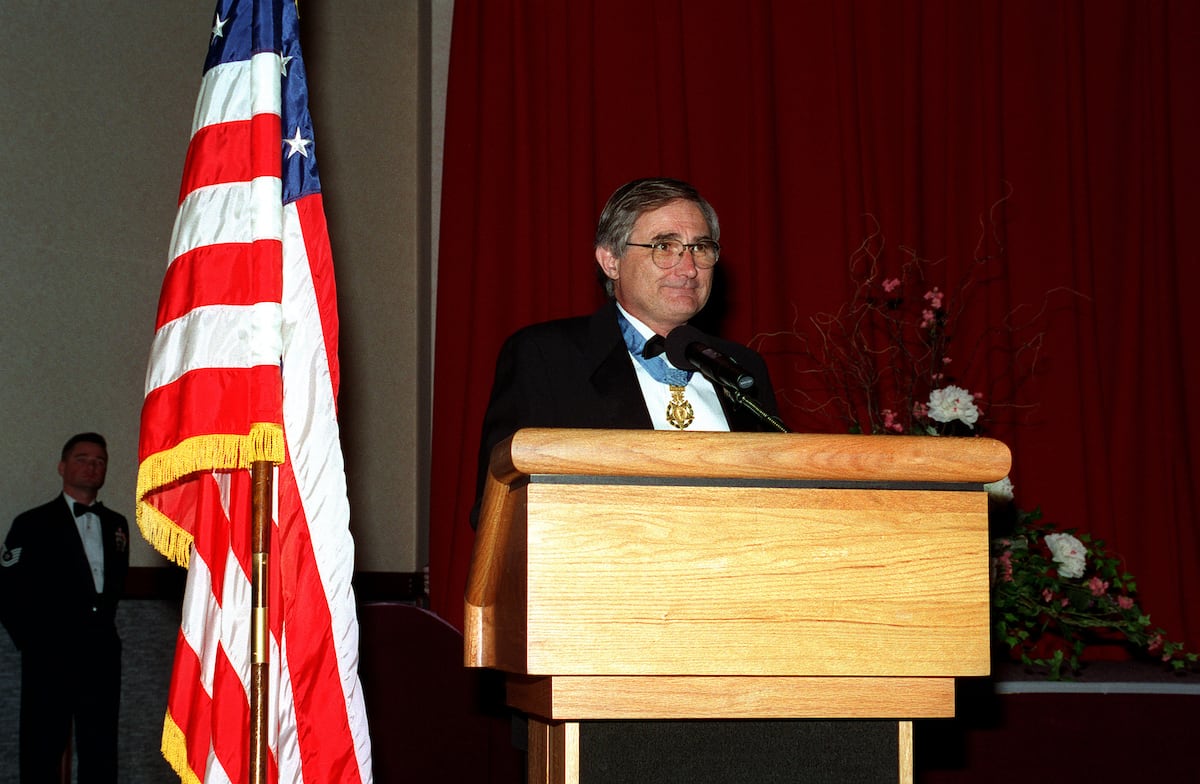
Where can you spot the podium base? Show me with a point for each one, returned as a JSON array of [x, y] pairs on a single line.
[[796, 751]]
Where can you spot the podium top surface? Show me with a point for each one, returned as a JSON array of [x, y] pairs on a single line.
[[783, 456]]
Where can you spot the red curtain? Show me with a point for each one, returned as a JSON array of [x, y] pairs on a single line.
[[809, 125]]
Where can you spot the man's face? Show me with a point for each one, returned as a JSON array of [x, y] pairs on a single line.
[[661, 298], [84, 469]]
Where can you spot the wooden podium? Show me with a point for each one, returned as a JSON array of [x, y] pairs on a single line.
[[660, 575]]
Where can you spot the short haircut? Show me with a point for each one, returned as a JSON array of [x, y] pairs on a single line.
[[631, 200], [89, 438]]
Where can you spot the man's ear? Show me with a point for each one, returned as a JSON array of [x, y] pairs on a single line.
[[610, 265]]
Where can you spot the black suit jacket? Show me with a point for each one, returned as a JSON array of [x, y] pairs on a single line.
[[47, 596], [577, 372]]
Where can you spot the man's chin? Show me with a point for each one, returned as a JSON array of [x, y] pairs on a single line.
[[684, 308]]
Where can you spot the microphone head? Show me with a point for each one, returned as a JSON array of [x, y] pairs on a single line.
[[678, 341]]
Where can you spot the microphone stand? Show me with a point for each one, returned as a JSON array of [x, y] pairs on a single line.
[[739, 397]]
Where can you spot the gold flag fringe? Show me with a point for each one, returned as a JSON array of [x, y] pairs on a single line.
[[174, 751], [164, 534], [221, 451]]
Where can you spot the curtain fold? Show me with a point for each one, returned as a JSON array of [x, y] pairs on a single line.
[[1059, 134]]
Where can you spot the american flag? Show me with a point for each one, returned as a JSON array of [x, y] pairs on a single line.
[[244, 368]]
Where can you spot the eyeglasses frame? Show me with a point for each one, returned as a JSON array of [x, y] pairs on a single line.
[[685, 247]]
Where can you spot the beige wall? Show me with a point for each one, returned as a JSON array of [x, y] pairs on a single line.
[[95, 111]]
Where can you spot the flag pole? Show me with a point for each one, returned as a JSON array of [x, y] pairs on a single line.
[[261, 473]]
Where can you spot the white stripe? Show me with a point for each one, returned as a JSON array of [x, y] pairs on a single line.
[[210, 628], [268, 83], [201, 614], [224, 95], [310, 422], [235, 91], [215, 336], [286, 743], [236, 614], [236, 212], [200, 609], [214, 773]]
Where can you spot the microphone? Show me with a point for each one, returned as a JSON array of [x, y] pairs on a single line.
[[686, 349]]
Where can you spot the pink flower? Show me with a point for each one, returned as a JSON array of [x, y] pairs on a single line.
[[1156, 642], [1006, 562], [1065, 601], [891, 285], [926, 318], [946, 360], [890, 422], [1047, 595], [1099, 587], [934, 298], [1125, 603]]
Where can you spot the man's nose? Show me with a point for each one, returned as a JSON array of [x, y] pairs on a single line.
[[686, 264]]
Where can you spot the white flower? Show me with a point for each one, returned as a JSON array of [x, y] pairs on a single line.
[[951, 403], [1001, 491], [1069, 553]]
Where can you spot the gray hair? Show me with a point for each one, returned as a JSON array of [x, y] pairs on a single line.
[[631, 200]]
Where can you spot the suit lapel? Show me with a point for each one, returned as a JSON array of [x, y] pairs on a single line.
[[613, 377], [617, 387], [116, 543]]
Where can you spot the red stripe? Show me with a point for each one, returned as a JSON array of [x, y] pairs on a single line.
[[322, 725], [266, 145], [209, 401], [189, 706], [230, 720], [215, 534], [235, 151], [196, 507], [223, 274]]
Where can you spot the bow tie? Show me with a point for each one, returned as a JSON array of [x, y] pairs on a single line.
[[82, 509], [654, 346]]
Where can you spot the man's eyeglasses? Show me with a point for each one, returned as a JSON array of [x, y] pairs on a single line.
[[667, 253]]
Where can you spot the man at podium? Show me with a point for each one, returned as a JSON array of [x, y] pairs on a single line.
[[774, 625], [657, 242], [656, 247]]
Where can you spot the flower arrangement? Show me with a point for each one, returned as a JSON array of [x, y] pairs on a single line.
[[889, 362], [1056, 592]]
